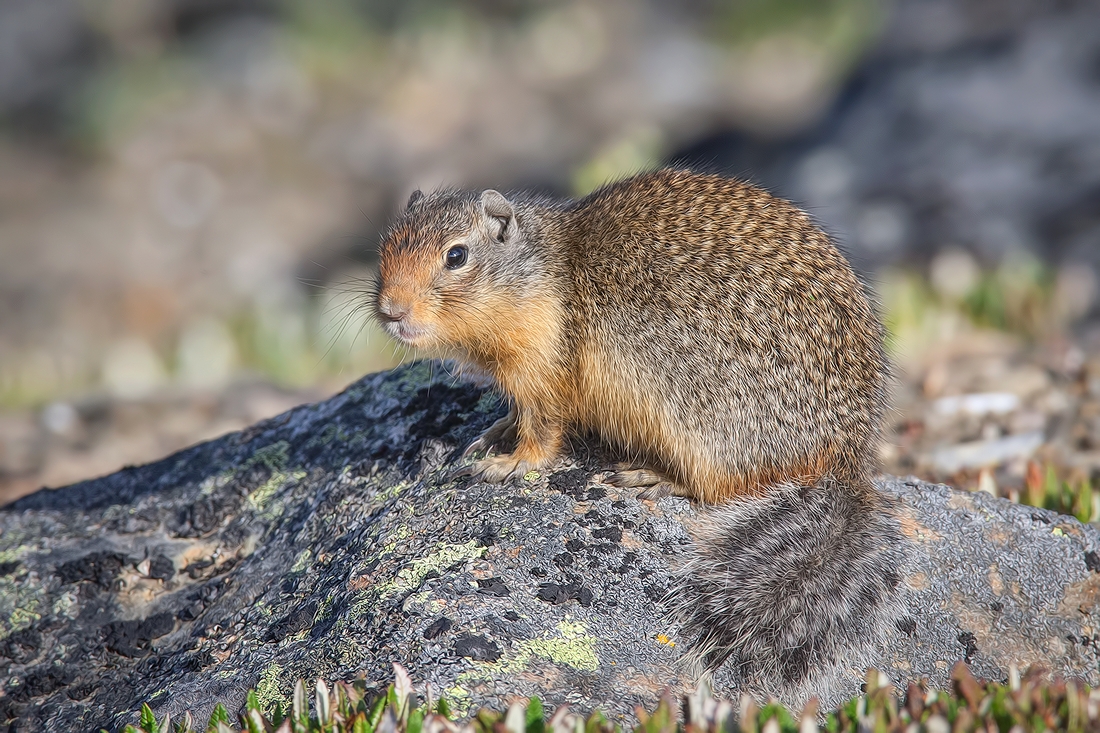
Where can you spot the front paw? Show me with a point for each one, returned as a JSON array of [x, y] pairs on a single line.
[[502, 431], [497, 469]]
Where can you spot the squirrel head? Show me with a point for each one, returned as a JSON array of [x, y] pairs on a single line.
[[444, 263]]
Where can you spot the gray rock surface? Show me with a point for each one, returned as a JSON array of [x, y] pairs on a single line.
[[329, 542]]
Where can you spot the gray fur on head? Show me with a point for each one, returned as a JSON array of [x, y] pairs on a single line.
[[792, 590]]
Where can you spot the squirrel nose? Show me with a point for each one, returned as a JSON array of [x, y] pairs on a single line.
[[391, 311]]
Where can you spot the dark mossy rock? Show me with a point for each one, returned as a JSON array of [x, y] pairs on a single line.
[[329, 542]]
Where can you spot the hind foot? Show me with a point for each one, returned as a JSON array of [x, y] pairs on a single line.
[[654, 486], [659, 491], [631, 478]]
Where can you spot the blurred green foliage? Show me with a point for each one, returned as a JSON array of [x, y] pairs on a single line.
[[1046, 487], [845, 25], [328, 340], [1027, 705], [342, 42], [637, 151], [1015, 298]]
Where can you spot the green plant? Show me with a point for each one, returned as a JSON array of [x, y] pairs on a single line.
[[1044, 487], [1020, 705]]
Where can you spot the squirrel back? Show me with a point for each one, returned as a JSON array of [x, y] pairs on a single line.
[[731, 327], [717, 336]]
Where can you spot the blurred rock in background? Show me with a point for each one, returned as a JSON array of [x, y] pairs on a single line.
[[971, 125], [190, 190]]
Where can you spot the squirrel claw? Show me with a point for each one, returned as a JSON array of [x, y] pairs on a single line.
[[477, 445], [502, 431], [495, 470], [653, 486], [461, 472]]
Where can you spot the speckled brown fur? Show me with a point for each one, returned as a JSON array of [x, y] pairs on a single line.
[[702, 324], [706, 327]]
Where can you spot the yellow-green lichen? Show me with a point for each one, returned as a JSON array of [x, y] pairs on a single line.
[[305, 557], [458, 699], [210, 484], [575, 647], [400, 534], [362, 605], [444, 556], [267, 689], [260, 499], [15, 542], [572, 647], [392, 492], [66, 606], [323, 609], [273, 457], [12, 555], [20, 605], [25, 615]]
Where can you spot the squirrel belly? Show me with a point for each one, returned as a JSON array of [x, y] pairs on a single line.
[[717, 336]]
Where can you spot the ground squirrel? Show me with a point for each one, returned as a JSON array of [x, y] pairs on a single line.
[[714, 334]]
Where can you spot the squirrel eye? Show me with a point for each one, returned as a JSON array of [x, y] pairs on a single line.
[[456, 258]]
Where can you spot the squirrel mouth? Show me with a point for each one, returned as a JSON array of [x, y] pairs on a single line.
[[407, 333]]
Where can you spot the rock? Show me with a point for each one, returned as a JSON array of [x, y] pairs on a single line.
[[329, 542]]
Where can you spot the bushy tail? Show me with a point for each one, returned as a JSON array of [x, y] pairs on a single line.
[[793, 592]]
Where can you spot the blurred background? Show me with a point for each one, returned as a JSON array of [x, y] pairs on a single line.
[[191, 192]]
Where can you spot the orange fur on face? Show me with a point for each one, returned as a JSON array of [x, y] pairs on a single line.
[[525, 360], [406, 281]]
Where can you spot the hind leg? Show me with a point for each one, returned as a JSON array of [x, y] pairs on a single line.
[[654, 486]]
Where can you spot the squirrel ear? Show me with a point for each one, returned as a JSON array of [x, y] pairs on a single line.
[[500, 212], [414, 197]]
